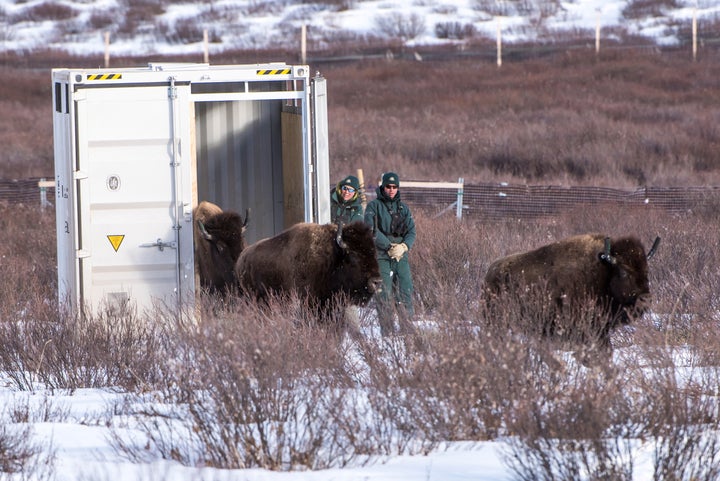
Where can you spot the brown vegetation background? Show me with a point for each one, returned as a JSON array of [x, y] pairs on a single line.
[[623, 119]]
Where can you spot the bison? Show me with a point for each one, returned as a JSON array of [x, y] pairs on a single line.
[[219, 238], [319, 263], [609, 273]]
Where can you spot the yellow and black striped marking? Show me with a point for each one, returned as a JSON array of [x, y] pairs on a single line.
[[105, 76], [277, 71]]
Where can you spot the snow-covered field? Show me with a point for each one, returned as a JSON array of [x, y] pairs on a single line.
[[177, 27], [77, 439]]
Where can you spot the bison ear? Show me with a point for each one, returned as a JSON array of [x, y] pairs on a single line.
[[206, 235], [605, 255], [338, 238]]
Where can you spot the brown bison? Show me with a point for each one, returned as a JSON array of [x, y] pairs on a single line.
[[317, 262], [219, 238], [610, 273]]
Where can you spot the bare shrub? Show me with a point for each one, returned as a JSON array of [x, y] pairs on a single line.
[[493, 7], [19, 454], [444, 380], [677, 392], [186, 30], [34, 410], [443, 266], [47, 11], [70, 352], [26, 133], [100, 19], [454, 30], [638, 9], [400, 26], [15, 448], [254, 387], [138, 13], [27, 259], [569, 422], [339, 5]]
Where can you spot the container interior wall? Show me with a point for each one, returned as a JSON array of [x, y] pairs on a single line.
[[240, 162], [293, 178]]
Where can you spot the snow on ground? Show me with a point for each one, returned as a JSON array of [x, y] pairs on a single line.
[[75, 431], [253, 24]]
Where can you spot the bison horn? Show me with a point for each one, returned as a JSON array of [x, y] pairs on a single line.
[[605, 254], [206, 235], [338, 238], [247, 218], [654, 247]]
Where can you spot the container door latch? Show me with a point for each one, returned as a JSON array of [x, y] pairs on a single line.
[[160, 245]]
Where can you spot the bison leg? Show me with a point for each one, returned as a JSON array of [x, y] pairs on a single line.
[[351, 321]]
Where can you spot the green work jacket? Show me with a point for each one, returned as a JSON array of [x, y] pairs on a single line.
[[379, 214], [345, 212]]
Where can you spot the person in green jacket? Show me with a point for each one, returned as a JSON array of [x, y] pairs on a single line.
[[345, 203], [394, 229]]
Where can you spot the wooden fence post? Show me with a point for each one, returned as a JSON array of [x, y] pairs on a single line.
[[499, 43], [206, 47], [107, 49], [303, 44], [44, 184], [694, 34], [597, 34]]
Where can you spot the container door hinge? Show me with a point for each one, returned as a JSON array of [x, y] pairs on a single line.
[[172, 90]]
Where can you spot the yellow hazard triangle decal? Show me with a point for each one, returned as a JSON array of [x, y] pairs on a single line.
[[116, 240]]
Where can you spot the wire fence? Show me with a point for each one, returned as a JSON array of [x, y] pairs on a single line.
[[27, 191], [495, 202], [485, 201]]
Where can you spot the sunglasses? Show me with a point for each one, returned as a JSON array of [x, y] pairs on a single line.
[[391, 187], [345, 188]]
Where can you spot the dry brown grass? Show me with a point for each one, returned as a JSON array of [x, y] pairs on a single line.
[[626, 119], [623, 121]]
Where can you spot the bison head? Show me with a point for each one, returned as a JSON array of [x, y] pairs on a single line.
[[628, 286], [357, 273], [225, 235]]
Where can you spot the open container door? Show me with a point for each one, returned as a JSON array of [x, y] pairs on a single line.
[[320, 149]]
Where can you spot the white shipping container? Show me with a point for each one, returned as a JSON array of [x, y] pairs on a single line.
[[136, 149]]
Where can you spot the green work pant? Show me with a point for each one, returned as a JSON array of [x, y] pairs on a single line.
[[396, 294]]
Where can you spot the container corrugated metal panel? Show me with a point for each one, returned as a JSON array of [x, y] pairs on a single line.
[[239, 165]]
